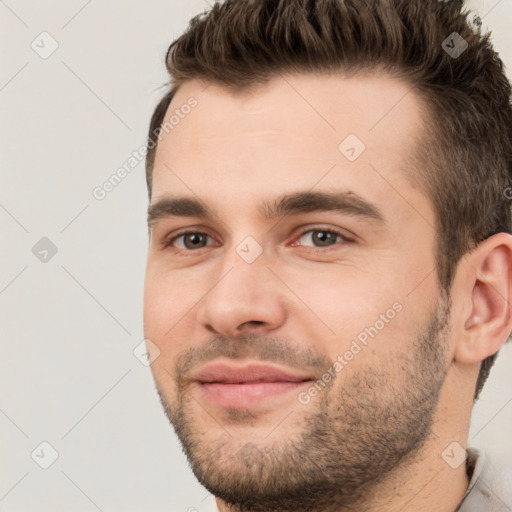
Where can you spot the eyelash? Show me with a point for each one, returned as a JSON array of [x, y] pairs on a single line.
[[167, 243]]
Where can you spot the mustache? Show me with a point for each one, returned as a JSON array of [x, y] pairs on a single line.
[[259, 348]]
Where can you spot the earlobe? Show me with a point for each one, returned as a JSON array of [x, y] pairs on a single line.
[[488, 321]]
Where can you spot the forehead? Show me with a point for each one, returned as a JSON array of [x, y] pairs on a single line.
[[295, 132]]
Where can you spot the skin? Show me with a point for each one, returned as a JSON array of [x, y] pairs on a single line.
[[235, 150]]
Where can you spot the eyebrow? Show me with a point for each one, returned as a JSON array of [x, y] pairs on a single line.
[[297, 203]]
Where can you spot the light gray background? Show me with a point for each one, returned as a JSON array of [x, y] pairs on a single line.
[[69, 325]]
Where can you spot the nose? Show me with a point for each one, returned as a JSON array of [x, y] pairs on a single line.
[[243, 298]]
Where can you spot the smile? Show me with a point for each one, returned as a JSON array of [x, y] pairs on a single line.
[[227, 385]]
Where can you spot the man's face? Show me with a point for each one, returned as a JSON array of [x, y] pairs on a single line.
[[297, 338]]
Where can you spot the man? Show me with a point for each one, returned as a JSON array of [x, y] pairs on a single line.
[[329, 272]]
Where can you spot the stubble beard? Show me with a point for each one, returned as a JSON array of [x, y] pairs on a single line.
[[352, 436]]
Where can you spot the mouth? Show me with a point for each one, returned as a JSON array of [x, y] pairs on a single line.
[[248, 385]]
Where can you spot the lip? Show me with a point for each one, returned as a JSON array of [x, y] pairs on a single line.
[[247, 385]]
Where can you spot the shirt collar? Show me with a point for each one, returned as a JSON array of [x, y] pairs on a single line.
[[475, 463]]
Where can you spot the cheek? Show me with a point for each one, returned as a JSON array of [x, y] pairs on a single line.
[[158, 304], [166, 300], [167, 291], [344, 297], [349, 309], [162, 305]]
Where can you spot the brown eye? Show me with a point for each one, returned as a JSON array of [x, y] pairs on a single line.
[[189, 241], [194, 240]]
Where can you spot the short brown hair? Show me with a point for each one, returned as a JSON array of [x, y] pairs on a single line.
[[464, 162]]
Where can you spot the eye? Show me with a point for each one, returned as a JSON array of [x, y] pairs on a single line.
[[320, 237], [188, 241]]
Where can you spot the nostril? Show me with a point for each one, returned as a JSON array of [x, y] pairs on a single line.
[[251, 323]]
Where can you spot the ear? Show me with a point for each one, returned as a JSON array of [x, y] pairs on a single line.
[[485, 281]]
